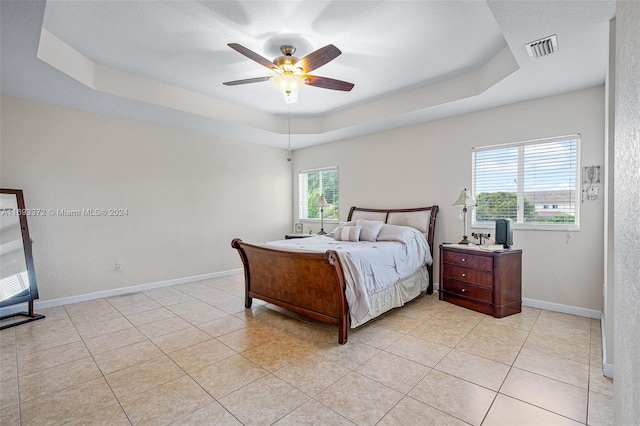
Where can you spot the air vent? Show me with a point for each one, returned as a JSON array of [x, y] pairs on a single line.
[[543, 47]]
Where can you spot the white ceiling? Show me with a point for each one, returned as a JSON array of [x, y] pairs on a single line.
[[411, 61]]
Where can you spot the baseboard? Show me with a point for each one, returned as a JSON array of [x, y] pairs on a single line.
[[44, 304], [565, 309]]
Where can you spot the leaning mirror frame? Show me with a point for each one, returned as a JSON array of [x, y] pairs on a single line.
[[17, 274]]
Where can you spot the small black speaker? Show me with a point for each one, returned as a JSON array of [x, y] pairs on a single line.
[[504, 232]]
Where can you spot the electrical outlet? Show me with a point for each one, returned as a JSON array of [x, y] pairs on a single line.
[[118, 266]]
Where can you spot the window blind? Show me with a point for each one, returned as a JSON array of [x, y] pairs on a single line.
[[533, 183]]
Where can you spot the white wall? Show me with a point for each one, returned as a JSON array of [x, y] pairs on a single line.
[[626, 223], [187, 196], [430, 163]]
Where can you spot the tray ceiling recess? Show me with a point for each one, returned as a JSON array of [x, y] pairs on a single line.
[[411, 62]]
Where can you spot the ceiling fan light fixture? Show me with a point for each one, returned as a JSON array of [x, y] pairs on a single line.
[[288, 83], [291, 72]]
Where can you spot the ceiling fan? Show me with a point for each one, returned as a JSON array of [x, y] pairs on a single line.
[[291, 73]]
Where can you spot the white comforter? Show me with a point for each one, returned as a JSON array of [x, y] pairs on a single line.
[[369, 266]]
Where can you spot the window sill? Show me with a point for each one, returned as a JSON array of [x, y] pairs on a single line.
[[531, 227]]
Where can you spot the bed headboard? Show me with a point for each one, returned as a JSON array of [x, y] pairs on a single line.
[[421, 218]]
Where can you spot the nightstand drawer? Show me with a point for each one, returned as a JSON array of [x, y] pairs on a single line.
[[473, 276], [468, 260], [484, 294]]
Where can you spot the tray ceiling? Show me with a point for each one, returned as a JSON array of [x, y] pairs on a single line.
[[410, 61]]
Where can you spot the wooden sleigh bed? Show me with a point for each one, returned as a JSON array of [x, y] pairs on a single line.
[[313, 284]]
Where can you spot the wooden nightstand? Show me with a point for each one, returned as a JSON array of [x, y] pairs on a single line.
[[487, 280]]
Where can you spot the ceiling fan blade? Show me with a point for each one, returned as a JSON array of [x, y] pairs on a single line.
[[246, 81], [318, 58], [328, 83], [252, 55]]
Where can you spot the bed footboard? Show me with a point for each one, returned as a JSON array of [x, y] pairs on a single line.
[[310, 284]]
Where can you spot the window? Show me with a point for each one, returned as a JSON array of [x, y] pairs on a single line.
[[520, 181], [313, 183]]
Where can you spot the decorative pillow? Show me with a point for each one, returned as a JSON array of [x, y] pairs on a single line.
[[332, 233], [370, 229], [348, 233]]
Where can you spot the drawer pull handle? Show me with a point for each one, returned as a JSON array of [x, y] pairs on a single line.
[[464, 275], [464, 289], [464, 260]]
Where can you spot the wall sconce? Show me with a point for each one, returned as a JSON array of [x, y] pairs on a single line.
[[590, 176]]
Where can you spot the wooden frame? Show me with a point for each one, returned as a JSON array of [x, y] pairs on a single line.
[[310, 284]]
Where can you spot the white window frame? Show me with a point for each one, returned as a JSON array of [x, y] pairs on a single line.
[[303, 208], [519, 223]]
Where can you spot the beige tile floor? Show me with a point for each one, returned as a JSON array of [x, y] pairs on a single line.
[[191, 354]]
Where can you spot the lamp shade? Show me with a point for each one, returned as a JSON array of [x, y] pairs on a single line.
[[321, 202], [465, 199]]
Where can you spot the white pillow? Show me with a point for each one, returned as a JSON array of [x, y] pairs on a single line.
[[370, 229], [333, 232], [402, 234], [348, 233]]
